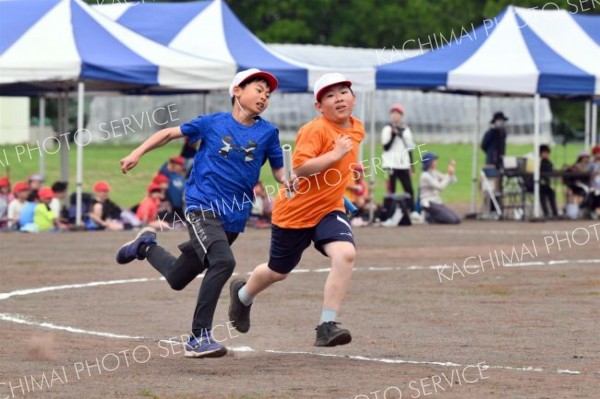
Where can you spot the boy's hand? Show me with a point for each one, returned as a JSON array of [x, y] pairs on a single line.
[[128, 163], [292, 185], [343, 145]]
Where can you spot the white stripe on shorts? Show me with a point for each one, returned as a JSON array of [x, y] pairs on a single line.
[[343, 221]]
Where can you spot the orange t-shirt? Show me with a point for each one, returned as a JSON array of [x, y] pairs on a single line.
[[321, 193]]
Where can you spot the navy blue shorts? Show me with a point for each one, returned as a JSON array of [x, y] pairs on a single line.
[[287, 245]]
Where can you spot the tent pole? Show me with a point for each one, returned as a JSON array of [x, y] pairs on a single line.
[[594, 129], [79, 182], [372, 151], [536, 157], [42, 124], [588, 130], [63, 106], [362, 118], [474, 174]]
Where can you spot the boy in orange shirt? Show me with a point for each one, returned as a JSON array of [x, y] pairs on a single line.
[[325, 150]]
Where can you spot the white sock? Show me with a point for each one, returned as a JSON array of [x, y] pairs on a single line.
[[328, 315], [245, 298]]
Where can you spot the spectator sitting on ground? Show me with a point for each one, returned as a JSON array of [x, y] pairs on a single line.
[[59, 189], [104, 214], [431, 184], [260, 214], [35, 183], [27, 212], [595, 184], [147, 211], [5, 198], [175, 172], [21, 192], [165, 206], [45, 219], [357, 192], [578, 187]]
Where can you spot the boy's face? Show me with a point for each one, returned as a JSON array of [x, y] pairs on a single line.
[[4, 190], [177, 168], [102, 195], [22, 195], [35, 184], [545, 154], [337, 103], [396, 117], [254, 97]]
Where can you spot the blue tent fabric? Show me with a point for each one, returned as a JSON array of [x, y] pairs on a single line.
[[169, 24], [521, 54], [50, 45], [161, 22]]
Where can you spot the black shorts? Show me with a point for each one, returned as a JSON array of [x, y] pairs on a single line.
[[287, 245], [205, 228]]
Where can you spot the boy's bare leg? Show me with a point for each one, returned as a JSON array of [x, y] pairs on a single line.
[[342, 256], [261, 278]]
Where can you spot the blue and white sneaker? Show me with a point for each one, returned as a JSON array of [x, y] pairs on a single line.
[[136, 248], [203, 346]]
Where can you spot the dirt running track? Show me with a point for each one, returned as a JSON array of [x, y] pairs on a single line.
[[478, 331]]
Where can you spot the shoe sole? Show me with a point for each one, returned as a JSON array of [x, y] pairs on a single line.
[[343, 338], [232, 293], [212, 354], [142, 231]]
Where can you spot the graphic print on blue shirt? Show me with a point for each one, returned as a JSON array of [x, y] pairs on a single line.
[[227, 165]]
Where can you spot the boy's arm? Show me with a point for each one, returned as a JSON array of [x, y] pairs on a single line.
[[343, 145], [158, 139]]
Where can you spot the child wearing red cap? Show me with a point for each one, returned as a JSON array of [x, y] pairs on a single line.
[[21, 192], [5, 199], [174, 171], [328, 143], [44, 218], [147, 211], [218, 198], [104, 213]]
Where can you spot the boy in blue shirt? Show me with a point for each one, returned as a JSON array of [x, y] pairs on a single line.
[[218, 196]]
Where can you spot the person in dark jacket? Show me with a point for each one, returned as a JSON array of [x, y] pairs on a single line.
[[547, 194], [494, 141]]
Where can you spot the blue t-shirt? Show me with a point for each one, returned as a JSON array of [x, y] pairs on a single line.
[[27, 213], [227, 165]]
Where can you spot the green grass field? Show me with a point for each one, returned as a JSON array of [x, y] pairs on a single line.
[[101, 162]]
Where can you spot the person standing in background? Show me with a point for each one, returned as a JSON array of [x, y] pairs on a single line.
[[494, 141], [398, 144]]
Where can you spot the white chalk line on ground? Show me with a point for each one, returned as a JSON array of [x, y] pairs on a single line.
[[39, 290], [19, 319], [15, 318]]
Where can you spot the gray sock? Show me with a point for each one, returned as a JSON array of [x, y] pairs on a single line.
[[245, 298], [327, 315]]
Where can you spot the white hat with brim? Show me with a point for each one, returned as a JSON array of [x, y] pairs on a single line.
[[243, 76], [328, 80]]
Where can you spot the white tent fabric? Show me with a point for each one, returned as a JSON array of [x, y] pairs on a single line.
[[523, 52], [210, 27], [60, 42]]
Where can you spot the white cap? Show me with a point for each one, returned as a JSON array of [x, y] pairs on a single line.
[[242, 76], [327, 80]]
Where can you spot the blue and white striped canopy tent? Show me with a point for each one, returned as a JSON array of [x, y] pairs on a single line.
[[53, 44], [62, 45], [519, 52], [211, 28]]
